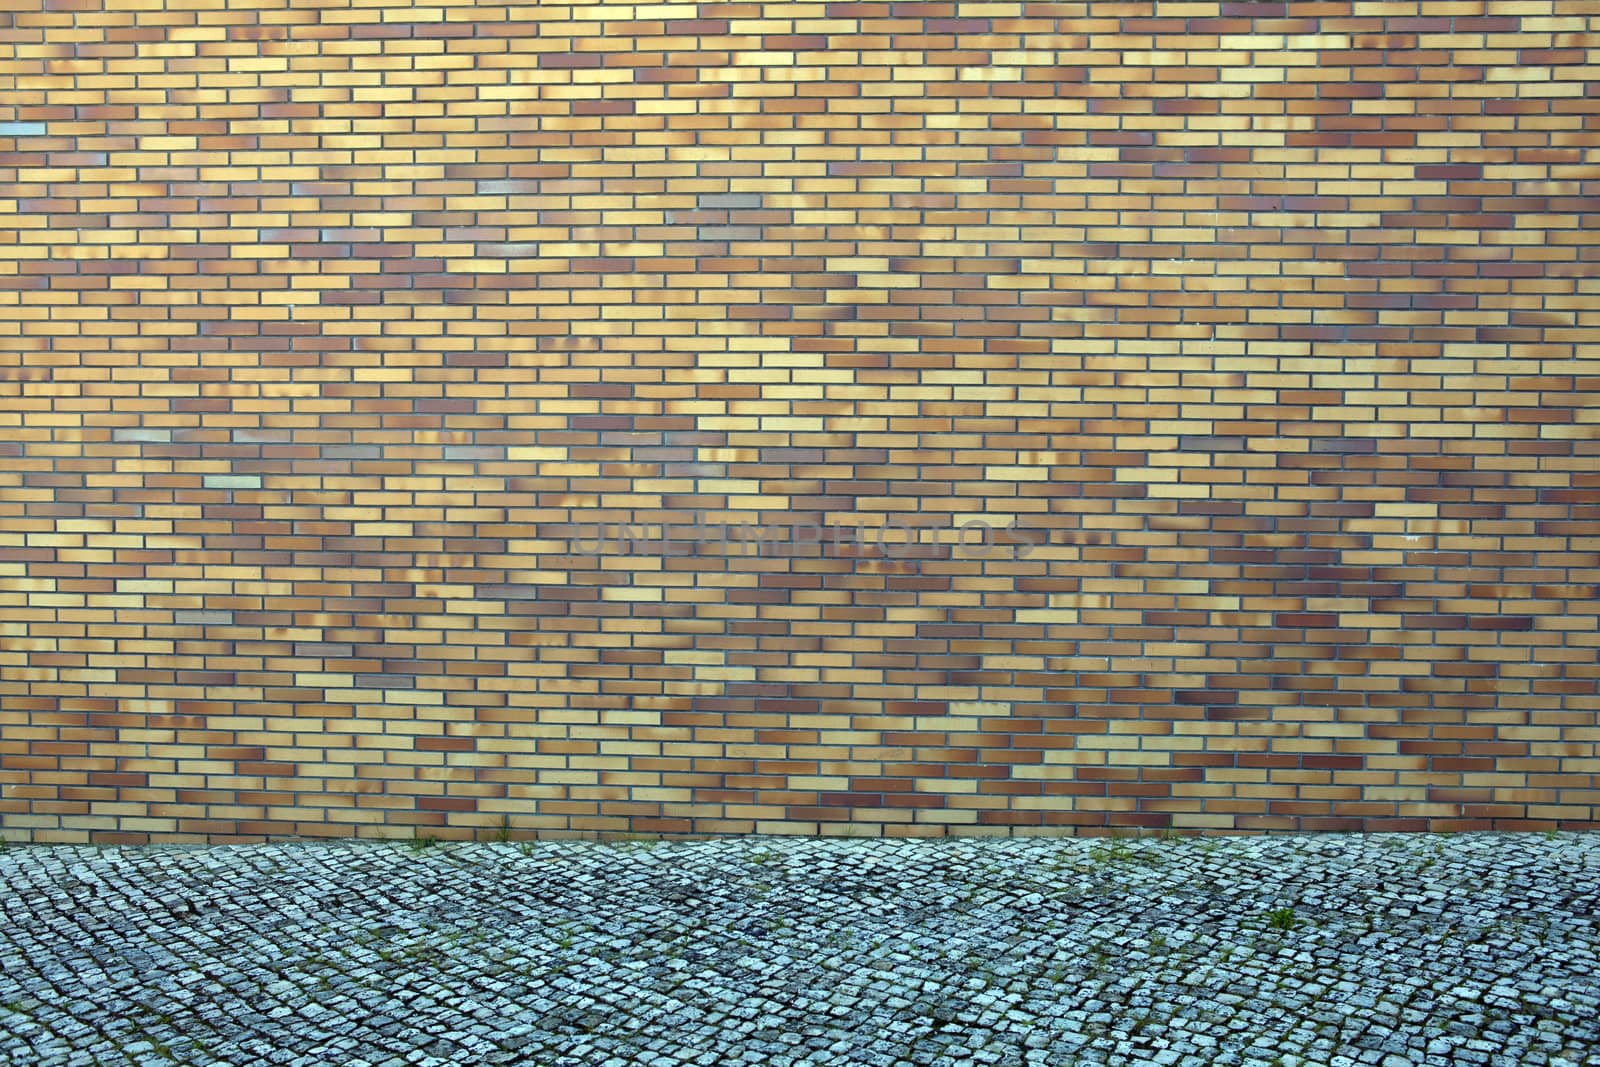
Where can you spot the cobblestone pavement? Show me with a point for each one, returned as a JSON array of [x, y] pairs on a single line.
[[1386, 950]]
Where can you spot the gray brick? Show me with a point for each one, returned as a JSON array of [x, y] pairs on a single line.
[[730, 233], [469, 452], [203, 618], [141, 434], [1210, 443], [507, 186], [384, 681], [321, 649], [728, 201]]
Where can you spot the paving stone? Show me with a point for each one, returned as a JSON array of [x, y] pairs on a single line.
[[1010, 951]]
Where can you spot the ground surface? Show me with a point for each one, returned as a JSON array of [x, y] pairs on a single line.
[[1472, 949]]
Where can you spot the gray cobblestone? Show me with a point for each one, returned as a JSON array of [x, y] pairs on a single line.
[[1480, 948]]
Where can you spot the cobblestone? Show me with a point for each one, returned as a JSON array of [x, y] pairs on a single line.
[[1377, 949]]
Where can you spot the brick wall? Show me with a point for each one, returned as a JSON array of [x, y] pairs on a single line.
[[840, 418]]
